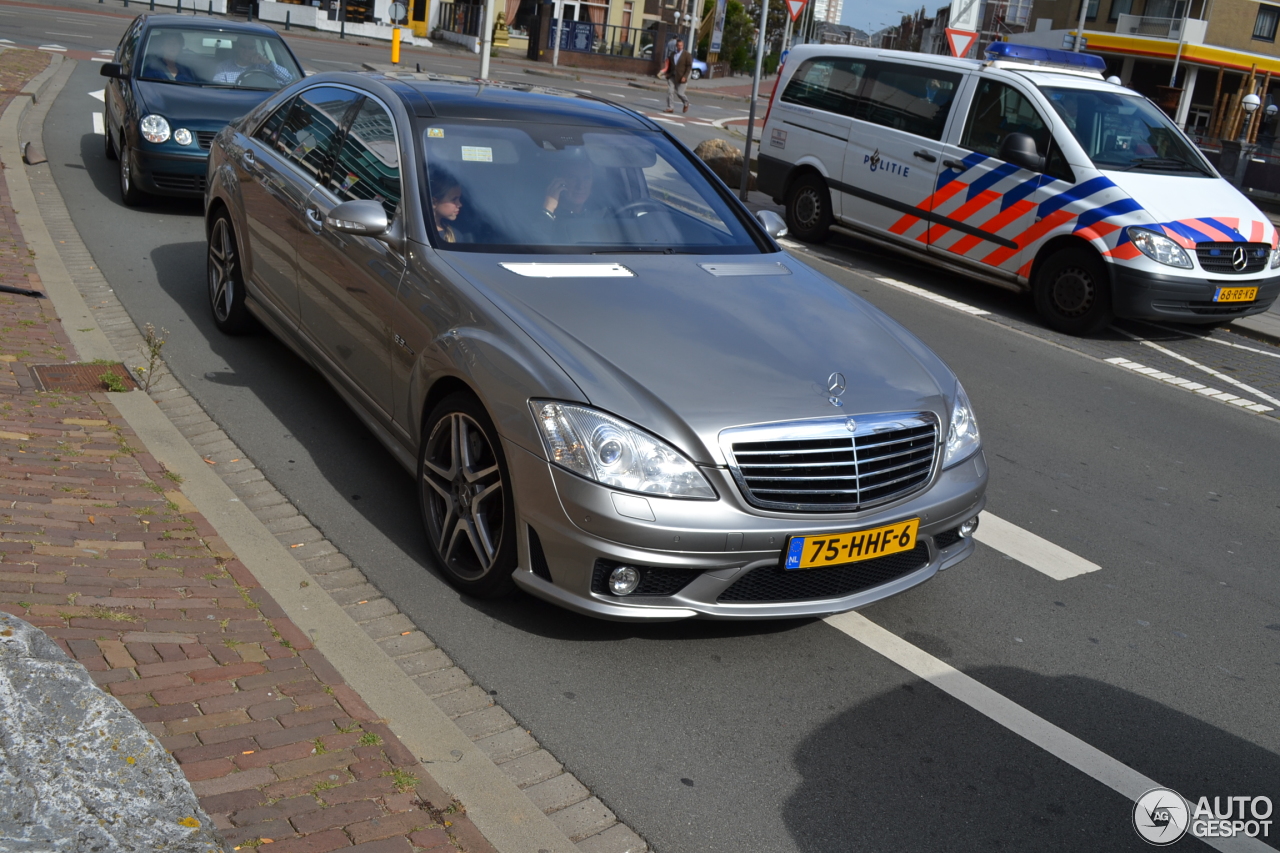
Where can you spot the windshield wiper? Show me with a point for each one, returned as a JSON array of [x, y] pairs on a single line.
[[1157, 162]]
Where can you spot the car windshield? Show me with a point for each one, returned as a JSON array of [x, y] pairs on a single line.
[[530, 188], [1125, 132], [217, 58]]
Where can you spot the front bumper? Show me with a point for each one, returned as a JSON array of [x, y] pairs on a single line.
[[1141, 295], [169, 172], [568, 524]]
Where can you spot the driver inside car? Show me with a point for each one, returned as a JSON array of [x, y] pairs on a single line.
[[246, 59], [569, 191]]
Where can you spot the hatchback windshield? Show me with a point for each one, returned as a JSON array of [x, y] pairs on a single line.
[[213, 58], [525, 187], [1125, 132]]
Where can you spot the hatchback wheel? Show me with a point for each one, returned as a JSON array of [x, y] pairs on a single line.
[[1073, 292], [465, 498], [129, 193], [109, 146], [226, 284], [808, 209]]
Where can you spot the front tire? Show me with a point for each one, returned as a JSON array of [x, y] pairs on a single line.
[[695, 74], [808, 209], [1073, 292], [129, 192], [226, 283], [465, 498], [109, 145]]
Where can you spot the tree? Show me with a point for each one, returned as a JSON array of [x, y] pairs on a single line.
[[738, 38]]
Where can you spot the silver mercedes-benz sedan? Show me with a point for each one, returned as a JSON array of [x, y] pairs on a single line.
[[614, 389]]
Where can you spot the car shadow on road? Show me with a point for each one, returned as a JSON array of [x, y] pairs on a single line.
[[913, 769], [104, 174]]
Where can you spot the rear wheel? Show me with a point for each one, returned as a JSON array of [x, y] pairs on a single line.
[[129, 193], [1073, 292], [808, 209], [465, 498]]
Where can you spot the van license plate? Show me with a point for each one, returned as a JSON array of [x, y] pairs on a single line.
[[834, 549], [1235, 294]]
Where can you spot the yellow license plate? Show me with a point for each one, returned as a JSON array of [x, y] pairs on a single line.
[[1235, 294], [833, 549]]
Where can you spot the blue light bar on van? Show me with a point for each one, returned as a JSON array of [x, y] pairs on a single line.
[[1044, 56]]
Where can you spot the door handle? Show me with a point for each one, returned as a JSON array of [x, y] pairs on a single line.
[[249, 158], [953, 164], [925, 156], [314, 219]]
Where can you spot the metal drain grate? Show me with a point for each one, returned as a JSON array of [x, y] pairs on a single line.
[[79, 378]]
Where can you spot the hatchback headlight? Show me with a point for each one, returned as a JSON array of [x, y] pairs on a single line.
[[154, 128], [962, 436], [1160, 248], [614, 453], [182, 136]]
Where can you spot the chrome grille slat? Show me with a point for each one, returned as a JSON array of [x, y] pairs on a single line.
[[827, 465]]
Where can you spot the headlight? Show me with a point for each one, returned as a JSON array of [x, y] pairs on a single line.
[[1275, 258], [154, 128], [962, 437], [1160, 248], [610, 451], [182, 136]]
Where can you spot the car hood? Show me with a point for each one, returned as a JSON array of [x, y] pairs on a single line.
[[203, 106], [685, 353], [1184, 198]]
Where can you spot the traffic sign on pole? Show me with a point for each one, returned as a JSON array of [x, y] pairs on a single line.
[[960, 41], [794, 8]]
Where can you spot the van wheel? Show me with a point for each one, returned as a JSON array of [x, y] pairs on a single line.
[[808, 209], [1073, 292]]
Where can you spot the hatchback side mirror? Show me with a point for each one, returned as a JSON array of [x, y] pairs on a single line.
[[774, 225], [111, 69], [1020, 150], [362, 217]]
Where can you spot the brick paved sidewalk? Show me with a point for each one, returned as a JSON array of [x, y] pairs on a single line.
[[101, 550]]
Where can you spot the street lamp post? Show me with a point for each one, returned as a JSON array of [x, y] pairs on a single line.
[[1250, 104]]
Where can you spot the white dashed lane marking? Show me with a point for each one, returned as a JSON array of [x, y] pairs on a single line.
[[1217, 374], [1187, 384], [933, 297], [98, 126], [1058, 742], [1030, 549]]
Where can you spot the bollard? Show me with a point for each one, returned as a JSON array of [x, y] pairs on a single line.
[[418, 66], [210, 12], [342, 28], [250, 15], [179, 7], [286, 19], [395, 46], [152, 7]]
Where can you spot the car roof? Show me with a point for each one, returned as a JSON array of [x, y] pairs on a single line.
[[191, 22], [441, 96]]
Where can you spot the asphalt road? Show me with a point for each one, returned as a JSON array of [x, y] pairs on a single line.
[[792, 736]]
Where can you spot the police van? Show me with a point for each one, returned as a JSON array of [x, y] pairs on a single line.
[[1027, 170]]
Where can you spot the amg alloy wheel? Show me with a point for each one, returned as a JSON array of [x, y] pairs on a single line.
[[226, 285]]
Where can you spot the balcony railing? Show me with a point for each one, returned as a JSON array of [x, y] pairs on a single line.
[[1162, 28]]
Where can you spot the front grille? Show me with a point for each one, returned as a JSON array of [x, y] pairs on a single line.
[[204, 138], [772, 583], [174, 181], [826, 466], [1220, 257], [654, 580], [947, 538]]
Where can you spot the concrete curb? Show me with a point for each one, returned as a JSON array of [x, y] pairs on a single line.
[[1260, 327], [559, 75], [493, 796]]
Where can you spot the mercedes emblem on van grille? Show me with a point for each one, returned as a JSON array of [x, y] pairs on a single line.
[[1239, 258]]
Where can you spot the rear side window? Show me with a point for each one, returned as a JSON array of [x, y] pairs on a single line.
[[368, 166], [829, 84], [314, 120], [914, 100]]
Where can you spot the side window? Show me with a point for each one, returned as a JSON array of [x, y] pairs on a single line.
[[314, 120], [368, 166], [915, 100], [827, 84], [266, 132], [128, 47], [999, 110]]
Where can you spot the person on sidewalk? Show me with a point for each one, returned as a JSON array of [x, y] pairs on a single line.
[[677, 69]]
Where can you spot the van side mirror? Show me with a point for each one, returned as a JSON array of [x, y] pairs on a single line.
[[111, 69], [1020, 150]]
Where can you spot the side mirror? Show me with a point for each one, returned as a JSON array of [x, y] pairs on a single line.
[[774, 225], [111, 69], [1020, 150], [363, 217]]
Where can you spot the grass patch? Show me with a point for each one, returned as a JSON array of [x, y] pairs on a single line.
[[402, 780]]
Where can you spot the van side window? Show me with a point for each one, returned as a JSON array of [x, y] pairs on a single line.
[[915, 100], [999, 110], [827, 84]]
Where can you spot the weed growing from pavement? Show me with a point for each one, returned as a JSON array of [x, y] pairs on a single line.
[[370, 739], [112, 382], [319, 746], [151, 346], [100, 612], [173, 475], [402, 780]]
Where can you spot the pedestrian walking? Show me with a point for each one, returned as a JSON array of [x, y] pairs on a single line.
[[677, 69]]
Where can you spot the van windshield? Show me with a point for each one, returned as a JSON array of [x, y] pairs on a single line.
[[1126, 132], [498, 186]]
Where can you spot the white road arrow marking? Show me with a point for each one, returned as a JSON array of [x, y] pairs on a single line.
[[100, 94]]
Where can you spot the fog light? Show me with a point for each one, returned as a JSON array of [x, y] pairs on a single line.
[[966, 530], [623, 580], [182, 136]]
